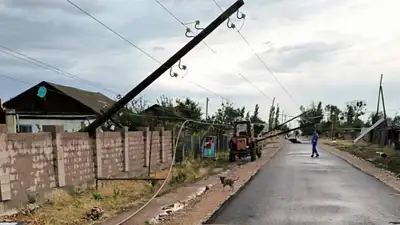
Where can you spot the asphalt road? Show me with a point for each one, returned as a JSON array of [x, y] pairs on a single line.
[[295, 189]]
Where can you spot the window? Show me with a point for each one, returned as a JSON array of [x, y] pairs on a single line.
[[25, 128]]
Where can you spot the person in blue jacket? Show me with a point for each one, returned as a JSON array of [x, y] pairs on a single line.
[[314, 142]]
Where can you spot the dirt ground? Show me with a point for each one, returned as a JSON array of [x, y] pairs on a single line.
[[368, 159], [69, 207]]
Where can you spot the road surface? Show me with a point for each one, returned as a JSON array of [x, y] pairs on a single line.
[[296, 189]]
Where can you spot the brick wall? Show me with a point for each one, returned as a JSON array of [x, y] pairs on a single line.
[[39, 162]]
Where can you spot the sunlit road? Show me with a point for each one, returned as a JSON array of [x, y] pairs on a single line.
[[295, 189]]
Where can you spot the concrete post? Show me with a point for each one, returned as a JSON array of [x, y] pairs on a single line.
[[146, 144], [98, 154], [125, 147], [59, 162], [162, 141], [5, 185], [11, 121]]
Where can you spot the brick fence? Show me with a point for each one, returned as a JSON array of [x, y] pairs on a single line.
[[39, 162]]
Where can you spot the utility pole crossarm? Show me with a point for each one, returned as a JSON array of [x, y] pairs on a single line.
[[164, 67]]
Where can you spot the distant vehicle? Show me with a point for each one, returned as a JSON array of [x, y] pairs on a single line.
[[243, 142]]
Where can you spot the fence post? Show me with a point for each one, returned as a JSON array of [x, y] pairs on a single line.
[[146, 144], [5, 184], [162, 141], [98, 154], [59, 163], [125, 147]]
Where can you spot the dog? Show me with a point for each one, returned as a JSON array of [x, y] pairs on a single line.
[[228, 182]]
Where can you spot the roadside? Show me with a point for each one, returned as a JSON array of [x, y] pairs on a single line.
[[368, 158], [203, 207], [67, 207]]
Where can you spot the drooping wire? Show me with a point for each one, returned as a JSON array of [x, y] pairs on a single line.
[[136, 114], [257, 55], [112, 30], [197, 23], [126, 40], [39, 63]]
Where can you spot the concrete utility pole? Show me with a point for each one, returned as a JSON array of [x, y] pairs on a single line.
[[333, 118], [271, 116], [164, 67], [207, 100], [381, 96]]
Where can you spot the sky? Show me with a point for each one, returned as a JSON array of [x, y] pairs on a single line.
[[319, 50]]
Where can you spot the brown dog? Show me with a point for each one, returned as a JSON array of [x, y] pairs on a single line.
[[228, 182]]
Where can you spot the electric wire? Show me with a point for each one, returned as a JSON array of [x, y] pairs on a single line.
[[164, 182], [260, 59], [129, 42], [16, 54], [211, 49], [175, 117]]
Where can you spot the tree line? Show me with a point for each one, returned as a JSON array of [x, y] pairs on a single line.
[[330, 117], [177, 110]]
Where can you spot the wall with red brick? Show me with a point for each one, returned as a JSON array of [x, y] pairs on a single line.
[[39, 162]]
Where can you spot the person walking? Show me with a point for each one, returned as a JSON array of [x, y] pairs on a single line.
[[314, 142]]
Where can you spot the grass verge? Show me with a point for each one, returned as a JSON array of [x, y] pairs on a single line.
[[66, 208], [370, 153]]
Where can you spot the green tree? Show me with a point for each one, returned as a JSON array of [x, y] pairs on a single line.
[[258, 127], [189, 109], [247, 116], [314, 114], [354, 110], [276, 120], [271, 118], [227, 114]]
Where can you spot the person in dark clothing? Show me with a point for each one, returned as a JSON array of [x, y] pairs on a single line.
[[314, 142]]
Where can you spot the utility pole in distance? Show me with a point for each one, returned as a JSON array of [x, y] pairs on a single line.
[[271, 116], [164, 67], [207, 100]]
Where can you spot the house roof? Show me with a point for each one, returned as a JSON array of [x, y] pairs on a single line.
[[94, 100], [161, 110]]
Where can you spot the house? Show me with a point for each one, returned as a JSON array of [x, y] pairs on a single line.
[[59, 105], [2, 113]]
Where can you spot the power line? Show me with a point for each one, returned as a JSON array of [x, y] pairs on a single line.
[[44, 65], [135, 114], [129, 42], [113, 31], [260, 59], [209, 47]]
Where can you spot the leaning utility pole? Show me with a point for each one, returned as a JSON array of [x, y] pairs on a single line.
[[381, 96], [164, 67], [333, 117], [207, 100], [271, 115]]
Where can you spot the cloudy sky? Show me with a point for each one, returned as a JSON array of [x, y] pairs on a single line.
[[320, 50]]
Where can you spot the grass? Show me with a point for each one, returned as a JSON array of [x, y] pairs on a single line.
[[369, 152], [65, 208]]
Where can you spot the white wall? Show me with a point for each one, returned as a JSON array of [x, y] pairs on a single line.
[[69, 125]]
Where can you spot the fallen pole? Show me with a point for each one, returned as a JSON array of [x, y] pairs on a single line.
[[281, 125], [164, 67], [284, 132]]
